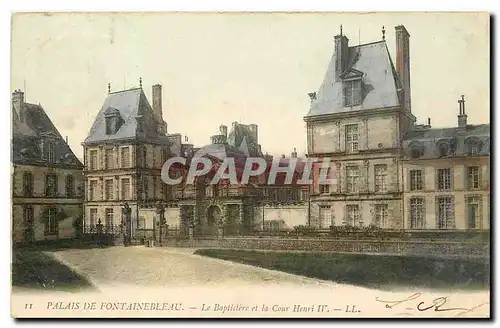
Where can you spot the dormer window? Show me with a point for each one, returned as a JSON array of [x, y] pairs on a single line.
[[416, 151], [443, 149], [50, 152], [113, 120], [473, 146], [352, 92]]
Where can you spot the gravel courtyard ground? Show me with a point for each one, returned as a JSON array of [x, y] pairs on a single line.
[[193, 282], [155, 267]]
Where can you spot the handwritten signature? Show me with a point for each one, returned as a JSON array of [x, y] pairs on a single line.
[[438, 305]]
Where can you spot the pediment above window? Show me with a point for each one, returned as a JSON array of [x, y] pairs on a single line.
[[112, 112], [49, 135], [351, 74]]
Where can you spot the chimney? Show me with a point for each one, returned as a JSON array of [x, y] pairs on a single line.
[[157, 108], [462, 117], [18, 104], [223, 130], [403, 63], [294, 153], [66, 139], [254, 130], [341, 54], [429, 122]]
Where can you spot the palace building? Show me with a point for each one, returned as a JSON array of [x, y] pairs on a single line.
[[123, 156], [391, 172], [47, 184]]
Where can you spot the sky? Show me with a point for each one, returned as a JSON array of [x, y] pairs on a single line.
[[217, 68]]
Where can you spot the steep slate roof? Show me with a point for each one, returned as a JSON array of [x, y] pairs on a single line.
[[456, 138], [240, 137], [379, 78], [28, 136], [131, 105]]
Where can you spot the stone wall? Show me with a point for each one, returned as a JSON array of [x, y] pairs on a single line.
[[462, 249]]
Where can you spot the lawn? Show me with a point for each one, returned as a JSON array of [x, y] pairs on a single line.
[[375, 271], [32, 268]]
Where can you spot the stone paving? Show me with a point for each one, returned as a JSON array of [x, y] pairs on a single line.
[[170, 267]]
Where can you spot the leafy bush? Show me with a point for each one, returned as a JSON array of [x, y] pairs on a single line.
[[302, 230]]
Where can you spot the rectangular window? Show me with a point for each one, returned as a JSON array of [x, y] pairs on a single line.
[[50, 152], [352, 93], [144, 156], [28, 184], [108, 158], [416, 180], [93, 160], [473, 177], [417, 214], [51, 226], [324, 189], [93, 190], [352, 215], [380, 177], [351, 137], [108, 189], [445, 219], [444, 179], [70, 186], [474, 212], [51, 185], [142, 222], [381, 216], [145, 187], [109, 218], [126, 188], [28, 216], [93, 217], [352, 179], [325, 214], [125, 157]]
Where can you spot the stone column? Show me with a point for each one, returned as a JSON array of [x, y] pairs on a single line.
[[196, 226], [367, 175], [337, 124], [240, 225]]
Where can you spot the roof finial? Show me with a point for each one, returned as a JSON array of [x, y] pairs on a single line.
[[383, 32], [140, 82], [340, 29], [109, 87]]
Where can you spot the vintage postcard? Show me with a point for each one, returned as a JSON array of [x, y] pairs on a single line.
[[250, 165]]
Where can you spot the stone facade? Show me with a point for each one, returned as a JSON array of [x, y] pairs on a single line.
[[124, 166], [361, 121], [47, 182]]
